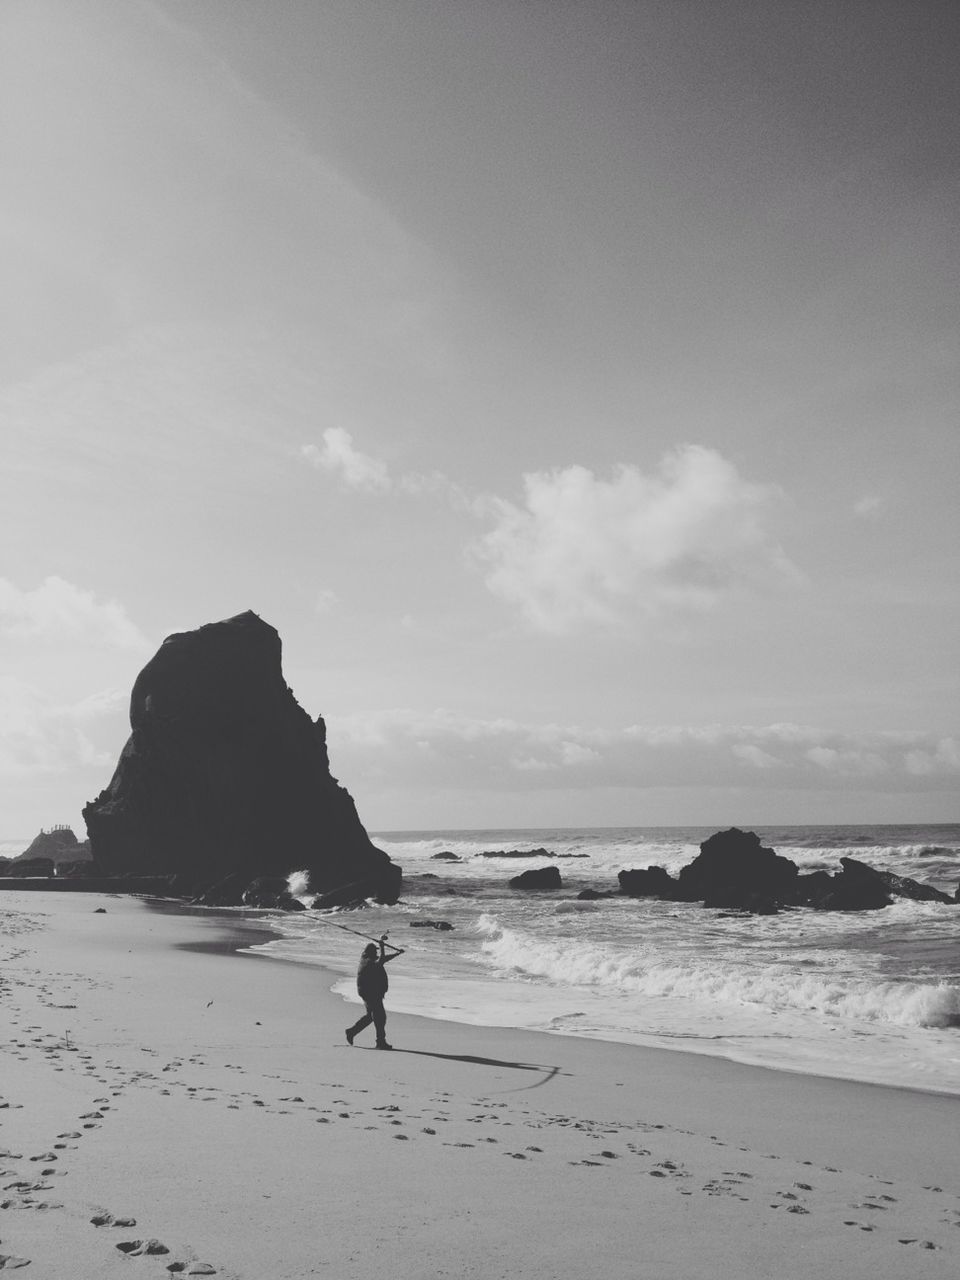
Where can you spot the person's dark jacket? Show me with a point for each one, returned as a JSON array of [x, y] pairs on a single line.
[[371, 978]]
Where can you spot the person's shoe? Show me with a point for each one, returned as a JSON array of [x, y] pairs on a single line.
[[382, 1044], [349, 1034]]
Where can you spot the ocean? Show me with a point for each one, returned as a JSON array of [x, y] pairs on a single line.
[[871, 996]]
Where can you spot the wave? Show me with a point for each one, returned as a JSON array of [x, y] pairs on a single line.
[[907, 1004]]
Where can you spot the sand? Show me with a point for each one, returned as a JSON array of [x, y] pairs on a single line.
[[168, 1106]]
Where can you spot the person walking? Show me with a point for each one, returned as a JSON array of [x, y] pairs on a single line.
[[372, 986]]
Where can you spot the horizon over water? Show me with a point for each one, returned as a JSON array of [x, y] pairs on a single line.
[[872, 996]]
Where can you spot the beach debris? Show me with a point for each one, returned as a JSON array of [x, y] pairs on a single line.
[[443, 926]]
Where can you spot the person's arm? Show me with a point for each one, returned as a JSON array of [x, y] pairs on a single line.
[[384, 958]]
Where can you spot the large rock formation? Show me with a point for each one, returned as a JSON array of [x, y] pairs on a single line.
[[733, 868], [59, 844], [735, 871], [225, 774]]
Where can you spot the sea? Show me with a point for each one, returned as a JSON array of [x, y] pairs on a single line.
[[870, 996]]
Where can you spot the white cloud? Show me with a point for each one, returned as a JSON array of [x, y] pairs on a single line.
[[585, 550], [355, 470], [755, 756], [582, 550], [868, 505], [474, 754], [852, 762], [942, 758], [38, 736], [326, 601], [58, 610]]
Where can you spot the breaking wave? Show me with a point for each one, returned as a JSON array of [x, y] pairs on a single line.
[[592, 964]]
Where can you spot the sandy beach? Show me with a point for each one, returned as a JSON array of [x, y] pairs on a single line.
[[171, 1106]]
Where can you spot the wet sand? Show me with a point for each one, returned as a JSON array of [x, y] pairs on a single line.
[[169, 1105]]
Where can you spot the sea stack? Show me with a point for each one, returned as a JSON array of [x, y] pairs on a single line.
[[225, 775]]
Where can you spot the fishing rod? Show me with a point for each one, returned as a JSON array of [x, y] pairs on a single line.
[[347, 929]]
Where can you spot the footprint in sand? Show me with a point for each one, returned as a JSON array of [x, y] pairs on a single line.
[[141, 1248], [9, 1262]]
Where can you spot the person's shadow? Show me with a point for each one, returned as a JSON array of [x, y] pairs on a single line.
[[549, 1072]]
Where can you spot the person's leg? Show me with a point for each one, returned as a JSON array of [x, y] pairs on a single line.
[[359, 1026], [379, 1016]]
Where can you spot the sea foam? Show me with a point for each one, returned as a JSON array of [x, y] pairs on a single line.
[[781, 986]]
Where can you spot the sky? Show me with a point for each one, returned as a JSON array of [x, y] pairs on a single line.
[[574, 386]]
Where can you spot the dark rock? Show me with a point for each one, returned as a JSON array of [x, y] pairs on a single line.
[[856, 887], [349, 895], [537, 878], [225, 772], [59, 844], [271, 891], [648, 882], [594, 895], [900, 886], [733, 867], [812, 888], [443, 925], [227, 892], [516, 853], [21, 867], [100, 911], [446, 856], [81, 867]]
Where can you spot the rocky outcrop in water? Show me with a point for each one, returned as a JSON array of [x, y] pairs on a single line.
[[734, 871], [225, 774], [648, 882], [537, 878], [516, 853]]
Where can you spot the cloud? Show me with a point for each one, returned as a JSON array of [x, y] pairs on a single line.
[[755, 756], [38, 736], [364, 473], [583, 550], [326, 601], [852, 763], [940, 759], [867, 506], [440, 749], [58, 610], [355, 470]]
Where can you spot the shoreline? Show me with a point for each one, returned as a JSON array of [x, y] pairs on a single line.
[[240, 1131], [244, 947]]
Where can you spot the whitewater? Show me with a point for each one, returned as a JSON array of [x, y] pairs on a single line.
[[872, 996]]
